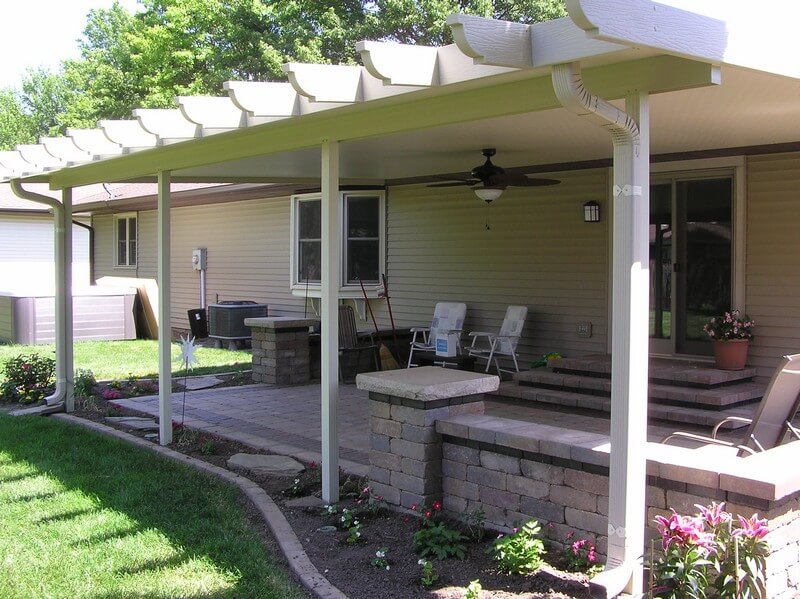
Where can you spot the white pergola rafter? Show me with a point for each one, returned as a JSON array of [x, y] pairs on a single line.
[[94, 142], [169, 125], [13, 162], [128, 134], [213, 114], [65, 149], [38, 156]]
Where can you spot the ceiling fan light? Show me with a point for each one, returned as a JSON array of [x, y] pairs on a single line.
[[488, 194]]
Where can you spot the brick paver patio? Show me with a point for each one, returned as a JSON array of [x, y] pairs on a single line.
[[286, 420]]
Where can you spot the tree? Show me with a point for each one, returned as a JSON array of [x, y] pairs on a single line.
[[15, 125]]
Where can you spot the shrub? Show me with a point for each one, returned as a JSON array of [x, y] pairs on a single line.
[[84, 382], [28, 378], [439, 541], [520, 552], [710, 555]]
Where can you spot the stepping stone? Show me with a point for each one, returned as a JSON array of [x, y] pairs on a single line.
[[305, 502], [199, 382], [42, 410], [275, 465], [134, 422]]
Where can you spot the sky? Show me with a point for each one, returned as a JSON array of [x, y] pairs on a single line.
[[42, 33]]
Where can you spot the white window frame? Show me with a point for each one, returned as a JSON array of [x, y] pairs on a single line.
[[353, 290], [131, 260]]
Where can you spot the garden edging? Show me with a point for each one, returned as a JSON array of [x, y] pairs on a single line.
[[285, 536]]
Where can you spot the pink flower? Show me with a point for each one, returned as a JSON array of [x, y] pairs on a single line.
[[437, 505], [428, 514], [312, 465], [714, 514], [683, 530], [111, 394], [752, 527], [414, 506]]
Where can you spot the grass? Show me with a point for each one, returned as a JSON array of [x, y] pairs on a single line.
[[82, 515], [118, 359]]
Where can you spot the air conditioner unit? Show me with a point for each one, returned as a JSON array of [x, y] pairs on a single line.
[[226, 319]]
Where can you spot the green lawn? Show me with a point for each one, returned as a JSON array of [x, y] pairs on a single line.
[[118, 359], [82, 515]]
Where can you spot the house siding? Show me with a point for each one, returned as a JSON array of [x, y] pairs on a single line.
[[27, 254], [773, 272], [538, 253], [248, 254]]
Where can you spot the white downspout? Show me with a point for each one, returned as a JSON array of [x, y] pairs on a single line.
[[62, 216], [629, 354]]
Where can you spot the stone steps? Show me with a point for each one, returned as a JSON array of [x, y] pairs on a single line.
[[680, 415], [717, 397]]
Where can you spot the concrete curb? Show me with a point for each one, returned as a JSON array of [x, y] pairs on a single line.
[[290, 545]]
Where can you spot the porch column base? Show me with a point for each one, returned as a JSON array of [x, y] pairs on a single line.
[[280, 350], [405, 450]]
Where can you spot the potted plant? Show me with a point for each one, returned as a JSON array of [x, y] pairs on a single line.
[[731, 334]]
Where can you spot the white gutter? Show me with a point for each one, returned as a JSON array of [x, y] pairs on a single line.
[[62, 213], [629, 350]]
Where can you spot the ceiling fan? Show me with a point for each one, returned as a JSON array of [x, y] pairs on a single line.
[[489, 180]]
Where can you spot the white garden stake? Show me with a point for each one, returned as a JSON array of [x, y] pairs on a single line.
[[188, 359]]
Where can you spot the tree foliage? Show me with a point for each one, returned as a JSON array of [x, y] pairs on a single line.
[[191, 47]]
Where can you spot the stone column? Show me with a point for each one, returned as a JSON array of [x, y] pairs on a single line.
[[405, 449], [280, 349]]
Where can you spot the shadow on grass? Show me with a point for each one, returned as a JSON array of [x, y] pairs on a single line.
[[201, 517], [33, 497], [65, 516]]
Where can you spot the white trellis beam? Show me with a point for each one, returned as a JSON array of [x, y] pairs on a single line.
[[213, 114], [65, 149], [38, 155], [501, 43], [726, 32], [128, 134], [94, 142], [168, 124]]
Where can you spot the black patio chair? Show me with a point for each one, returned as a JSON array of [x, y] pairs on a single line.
[[351, 342]]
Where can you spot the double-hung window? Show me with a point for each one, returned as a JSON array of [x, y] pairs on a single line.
[[125, 240], [362, 236]]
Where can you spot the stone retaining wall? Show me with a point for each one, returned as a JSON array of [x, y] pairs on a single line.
[[570, 497]]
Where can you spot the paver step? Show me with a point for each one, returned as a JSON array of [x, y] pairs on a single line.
[[713, 398], [680, 415], [661, 370]]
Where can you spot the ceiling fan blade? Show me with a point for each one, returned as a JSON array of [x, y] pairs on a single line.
[[520, 180], [455, 183]]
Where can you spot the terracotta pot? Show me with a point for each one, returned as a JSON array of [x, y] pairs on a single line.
[[731, 354]]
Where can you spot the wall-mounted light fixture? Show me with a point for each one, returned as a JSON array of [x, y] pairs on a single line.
[[591, 212], [488, 194]]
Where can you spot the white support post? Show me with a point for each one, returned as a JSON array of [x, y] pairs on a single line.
[[329, 313], [629, 345], [67, 329], [630, 134], [164, 304]]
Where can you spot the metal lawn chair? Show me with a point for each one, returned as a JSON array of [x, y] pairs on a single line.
[[448, 317], [773, 418], [488, 346], [350, 343]]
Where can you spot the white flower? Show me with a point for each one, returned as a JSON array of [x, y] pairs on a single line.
[[380, 554], [421, 562], [387, 567]]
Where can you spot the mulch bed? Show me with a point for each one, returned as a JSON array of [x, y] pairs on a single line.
[[348, 566]]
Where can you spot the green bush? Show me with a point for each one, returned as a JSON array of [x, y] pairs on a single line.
[[520, 552], [439, 541], [84, 382], [28, 378]]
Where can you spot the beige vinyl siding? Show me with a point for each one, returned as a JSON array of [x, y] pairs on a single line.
[[248, 254], [773, 270], [6, 318], [538, 253]]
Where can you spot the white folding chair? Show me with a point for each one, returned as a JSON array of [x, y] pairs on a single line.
[[487, 346], [448, 317]]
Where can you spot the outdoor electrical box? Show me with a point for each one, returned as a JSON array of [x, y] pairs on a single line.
[[199, 258]]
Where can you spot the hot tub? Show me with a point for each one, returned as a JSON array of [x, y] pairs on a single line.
[[98, 313]]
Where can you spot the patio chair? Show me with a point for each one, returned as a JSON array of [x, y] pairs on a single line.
[[773, 418], [502, 344], [350, 343], [448, 317]]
